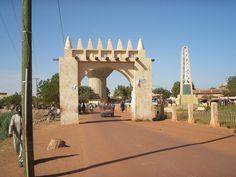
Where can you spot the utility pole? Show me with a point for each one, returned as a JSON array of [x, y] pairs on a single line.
[[27, 88], [37, 85]]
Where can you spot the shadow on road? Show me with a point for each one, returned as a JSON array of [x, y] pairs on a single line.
[[43, 160], [88, 112], [102, 121], [135, 156]]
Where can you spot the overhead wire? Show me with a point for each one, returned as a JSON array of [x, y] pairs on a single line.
[[18, 27], [9, 37], [33, 52], [60, 16], [15, 16], [30, 45]]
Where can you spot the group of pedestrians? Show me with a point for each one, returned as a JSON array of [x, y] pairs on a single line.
[[112, 104], [83, 107]]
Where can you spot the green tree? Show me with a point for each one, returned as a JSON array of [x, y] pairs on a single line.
[[86, 93], [14, 99], [48, 90], [165, 93], [176, 89], [231, 85], [124, 92]]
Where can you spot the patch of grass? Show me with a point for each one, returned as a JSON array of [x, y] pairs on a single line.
[[227, 108], [4, 124]]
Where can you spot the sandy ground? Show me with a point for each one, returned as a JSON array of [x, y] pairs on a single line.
[[118, 147]]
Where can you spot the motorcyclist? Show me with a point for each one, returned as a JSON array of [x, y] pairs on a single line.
[[52, 113], [91, 107]]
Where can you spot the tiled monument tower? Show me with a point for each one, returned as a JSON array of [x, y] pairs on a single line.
[[186, 87]]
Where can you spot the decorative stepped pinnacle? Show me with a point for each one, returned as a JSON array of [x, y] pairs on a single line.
[[109, 45], [68, 43], [140, 44], [90, 44], [79, 44], [99, 46], [119, 45], [129, 45]]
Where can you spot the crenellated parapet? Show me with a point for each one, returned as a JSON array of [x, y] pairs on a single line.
[[101, 54]]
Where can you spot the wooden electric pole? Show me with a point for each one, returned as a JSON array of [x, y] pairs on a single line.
[[27, 88]]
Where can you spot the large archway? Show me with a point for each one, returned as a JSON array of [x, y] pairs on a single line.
[[97, 64], [97, 80]]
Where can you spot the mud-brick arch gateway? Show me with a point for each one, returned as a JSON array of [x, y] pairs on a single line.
[[97, 64]]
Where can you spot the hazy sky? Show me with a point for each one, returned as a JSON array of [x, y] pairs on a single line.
[[207, 26]]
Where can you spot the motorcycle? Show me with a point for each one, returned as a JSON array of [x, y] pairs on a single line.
[[91, 107], [52, 114]]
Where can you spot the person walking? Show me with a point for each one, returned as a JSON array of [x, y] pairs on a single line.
[[122, 106], [113, 106], [15, 130]]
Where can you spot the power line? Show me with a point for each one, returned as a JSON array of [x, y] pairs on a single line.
[[9, 37], [18, 28], [59, 10], [15, 16]]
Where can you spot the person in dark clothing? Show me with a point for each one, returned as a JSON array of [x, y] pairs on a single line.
[[83, 108], [122, 106]]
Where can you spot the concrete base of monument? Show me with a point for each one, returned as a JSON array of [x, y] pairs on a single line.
[[186, 99]]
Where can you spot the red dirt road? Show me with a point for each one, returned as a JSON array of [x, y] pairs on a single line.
[[117, 147]]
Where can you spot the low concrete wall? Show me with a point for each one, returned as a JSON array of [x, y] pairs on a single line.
[[214, 114]]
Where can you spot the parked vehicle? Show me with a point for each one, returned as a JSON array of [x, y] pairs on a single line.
[[106, 110]]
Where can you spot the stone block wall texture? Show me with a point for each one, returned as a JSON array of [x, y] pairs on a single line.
[[68, 86], [174, 115], [190, 114], [142, 90], [214, 115]]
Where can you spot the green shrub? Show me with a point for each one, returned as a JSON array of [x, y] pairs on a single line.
[[4, 124]]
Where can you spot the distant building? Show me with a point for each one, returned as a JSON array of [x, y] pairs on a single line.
[[209, 94], [2, 95]]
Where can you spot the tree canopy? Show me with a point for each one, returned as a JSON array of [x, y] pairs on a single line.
[[231, 85], [176, 89], [14, 99], [48, 90], [86, 93], [165, 93], [124, 92]]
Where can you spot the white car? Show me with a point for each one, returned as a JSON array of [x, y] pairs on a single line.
[[128, 103]]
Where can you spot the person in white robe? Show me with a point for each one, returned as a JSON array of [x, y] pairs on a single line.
[[15, 130]]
